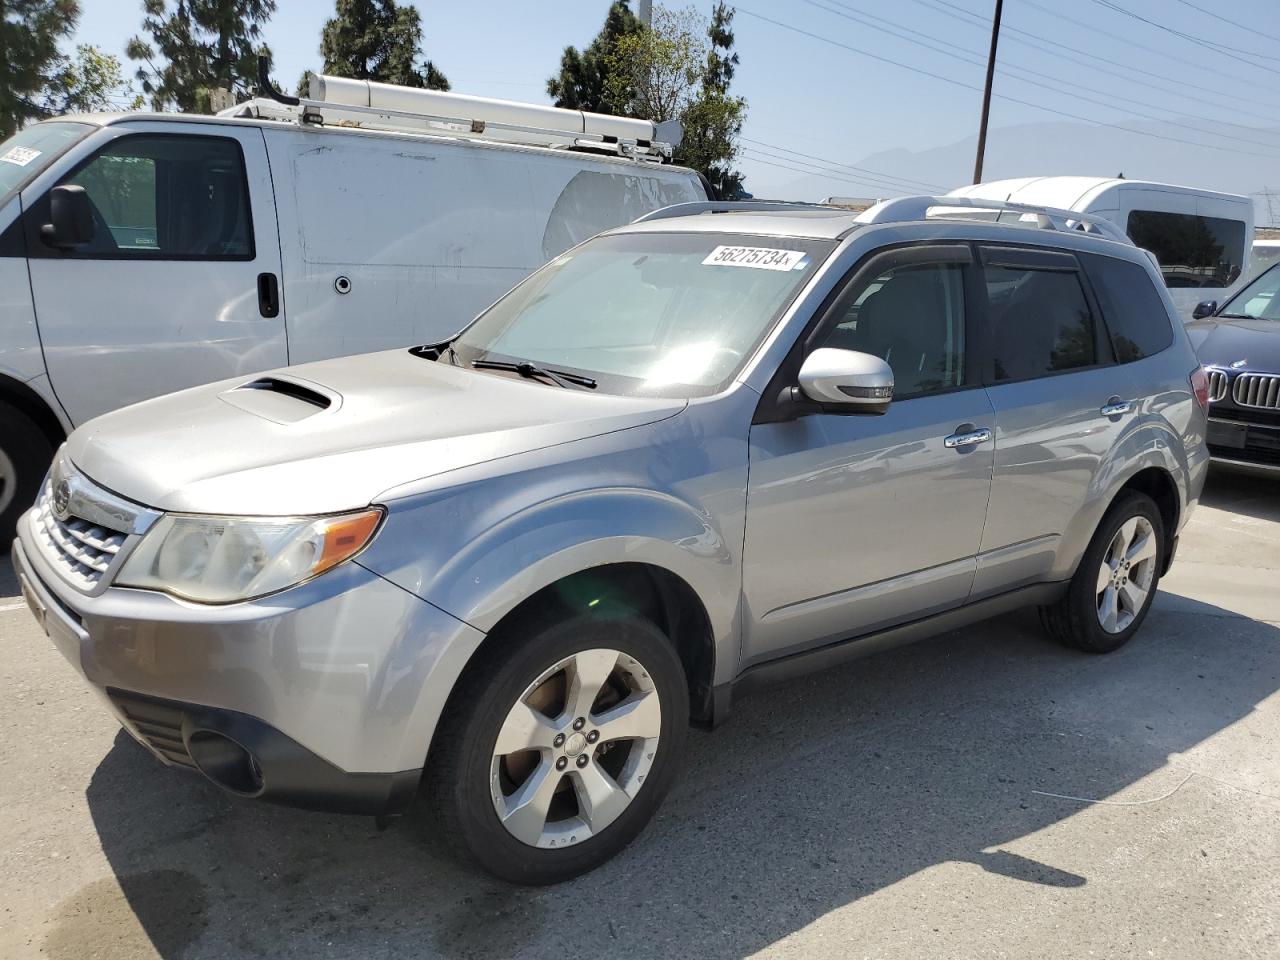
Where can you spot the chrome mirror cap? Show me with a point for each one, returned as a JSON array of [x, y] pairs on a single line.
[[857, 382]]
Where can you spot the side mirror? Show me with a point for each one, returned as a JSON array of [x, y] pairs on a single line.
[[846, 381], [70, 218], [1205, 308]]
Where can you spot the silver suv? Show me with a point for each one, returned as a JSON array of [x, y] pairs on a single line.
[[718, 446]]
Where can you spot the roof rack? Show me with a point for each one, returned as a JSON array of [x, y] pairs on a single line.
[[902, 209], [343, 101], [695, 207]]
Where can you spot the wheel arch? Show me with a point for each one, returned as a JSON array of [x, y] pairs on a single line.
[[23, 398]]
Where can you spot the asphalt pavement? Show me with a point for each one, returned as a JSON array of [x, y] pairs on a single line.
[[982, 794]]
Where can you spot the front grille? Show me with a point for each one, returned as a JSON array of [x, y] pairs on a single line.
[[82, 551], [1260, 390], [159, 725], [1217, 385]]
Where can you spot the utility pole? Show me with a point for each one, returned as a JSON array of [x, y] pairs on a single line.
[[986, 94], [645, 12]]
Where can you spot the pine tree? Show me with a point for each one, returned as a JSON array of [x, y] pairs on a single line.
[[378, 40], [583, 80], [29, 58], [714, 123], [197, 46]]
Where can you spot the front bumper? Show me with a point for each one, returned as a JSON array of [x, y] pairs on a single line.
[[1245, 440], [329, 691]]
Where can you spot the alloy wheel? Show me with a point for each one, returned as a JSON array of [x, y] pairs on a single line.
[[1126, 574], [575, 748]]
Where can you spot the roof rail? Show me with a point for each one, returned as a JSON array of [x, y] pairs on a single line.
[[344, 101], [902, 209], [695, 207]]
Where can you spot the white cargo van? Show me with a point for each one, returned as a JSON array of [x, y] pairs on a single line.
[[144, 253], [1201, 238]]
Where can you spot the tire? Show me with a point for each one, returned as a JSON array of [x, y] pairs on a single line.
[[471, 772], [25, 455], [1077, 620]]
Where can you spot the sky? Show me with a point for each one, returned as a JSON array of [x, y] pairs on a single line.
[[837, 81]]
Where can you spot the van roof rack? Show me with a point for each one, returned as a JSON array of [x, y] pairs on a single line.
[[343, 101], [695, 207], [902, 209]]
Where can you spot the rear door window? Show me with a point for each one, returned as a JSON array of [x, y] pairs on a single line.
[[1134, 311], [1193, 251], [1039, 318]]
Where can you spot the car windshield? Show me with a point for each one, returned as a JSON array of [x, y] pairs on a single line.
[[29, 151], [655, 314], [1260, 300]]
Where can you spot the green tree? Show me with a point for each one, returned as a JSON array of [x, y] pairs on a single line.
[[29, 57], [91, 80], [197, 46], [583, 80], [378, 40], [681, 69]]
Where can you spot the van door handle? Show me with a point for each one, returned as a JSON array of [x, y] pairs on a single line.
[[1115, 407], [268, 295], [969, 438]]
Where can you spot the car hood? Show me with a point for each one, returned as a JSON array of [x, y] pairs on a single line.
[[331, 436], [1222, 342]]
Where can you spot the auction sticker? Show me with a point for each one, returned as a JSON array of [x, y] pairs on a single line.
[[20, 156], [758, 258]]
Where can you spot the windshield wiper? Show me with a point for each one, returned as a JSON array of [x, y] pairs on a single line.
[[1234, 316], [531, 371]]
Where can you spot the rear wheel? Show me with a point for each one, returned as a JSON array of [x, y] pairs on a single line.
[[25, 455], [554, 754], [1112, 589]]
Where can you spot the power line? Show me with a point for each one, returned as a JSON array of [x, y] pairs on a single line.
[[904, 183], [773, 162], [1234, 23], [977, 59], [1197, 41], [1003, 96], [1045, 44]]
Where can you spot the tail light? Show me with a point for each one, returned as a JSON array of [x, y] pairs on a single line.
[[1200, 387]]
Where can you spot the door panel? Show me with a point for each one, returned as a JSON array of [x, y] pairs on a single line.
[[166, 295], [858, 522]]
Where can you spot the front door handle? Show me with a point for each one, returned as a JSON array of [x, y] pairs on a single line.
[[1115, 407], [268, 295], [969, 438]]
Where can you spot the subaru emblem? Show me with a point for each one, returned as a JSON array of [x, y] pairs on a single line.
[[62, 500]]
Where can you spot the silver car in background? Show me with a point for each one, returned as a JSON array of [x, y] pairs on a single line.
[[719, 446]]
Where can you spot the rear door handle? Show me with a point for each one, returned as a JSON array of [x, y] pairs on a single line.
[[967, 439], [1115, 407], [268, 295]]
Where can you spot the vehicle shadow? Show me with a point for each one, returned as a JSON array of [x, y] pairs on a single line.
[[8, 580], [1243, 491], [816, 793]]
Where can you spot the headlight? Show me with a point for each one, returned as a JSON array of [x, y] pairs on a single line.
[[225, 559]]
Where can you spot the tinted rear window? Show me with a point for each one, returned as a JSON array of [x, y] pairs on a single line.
[[1193, 251], [1132, 308], [1040, 322]]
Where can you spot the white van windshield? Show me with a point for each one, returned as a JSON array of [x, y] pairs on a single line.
[[659, 314], [32, 149]]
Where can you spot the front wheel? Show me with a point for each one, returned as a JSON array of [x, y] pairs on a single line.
[[25, 455], [1116, 581], [554, 754]]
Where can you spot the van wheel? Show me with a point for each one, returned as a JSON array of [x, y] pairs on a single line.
[[557, 749], [25, 455], [1113, 588]]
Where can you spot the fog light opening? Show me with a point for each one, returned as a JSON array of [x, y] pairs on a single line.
[[226, 763]]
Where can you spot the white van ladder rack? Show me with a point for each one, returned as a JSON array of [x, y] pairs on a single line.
[[342, 101], [902, 209]]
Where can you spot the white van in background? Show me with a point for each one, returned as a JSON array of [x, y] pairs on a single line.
[[144, 253], [1201, 238]]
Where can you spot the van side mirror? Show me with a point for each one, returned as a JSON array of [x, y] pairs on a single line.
[[70, 218], [1205, 308], [846, 381]]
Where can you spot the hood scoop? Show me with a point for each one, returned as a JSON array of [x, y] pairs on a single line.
[[281, 400]]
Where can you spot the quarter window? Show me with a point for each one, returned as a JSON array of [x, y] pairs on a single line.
[[912, 317], [1040, 322], [1193, 251], [1134, 311], [168, 197]]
